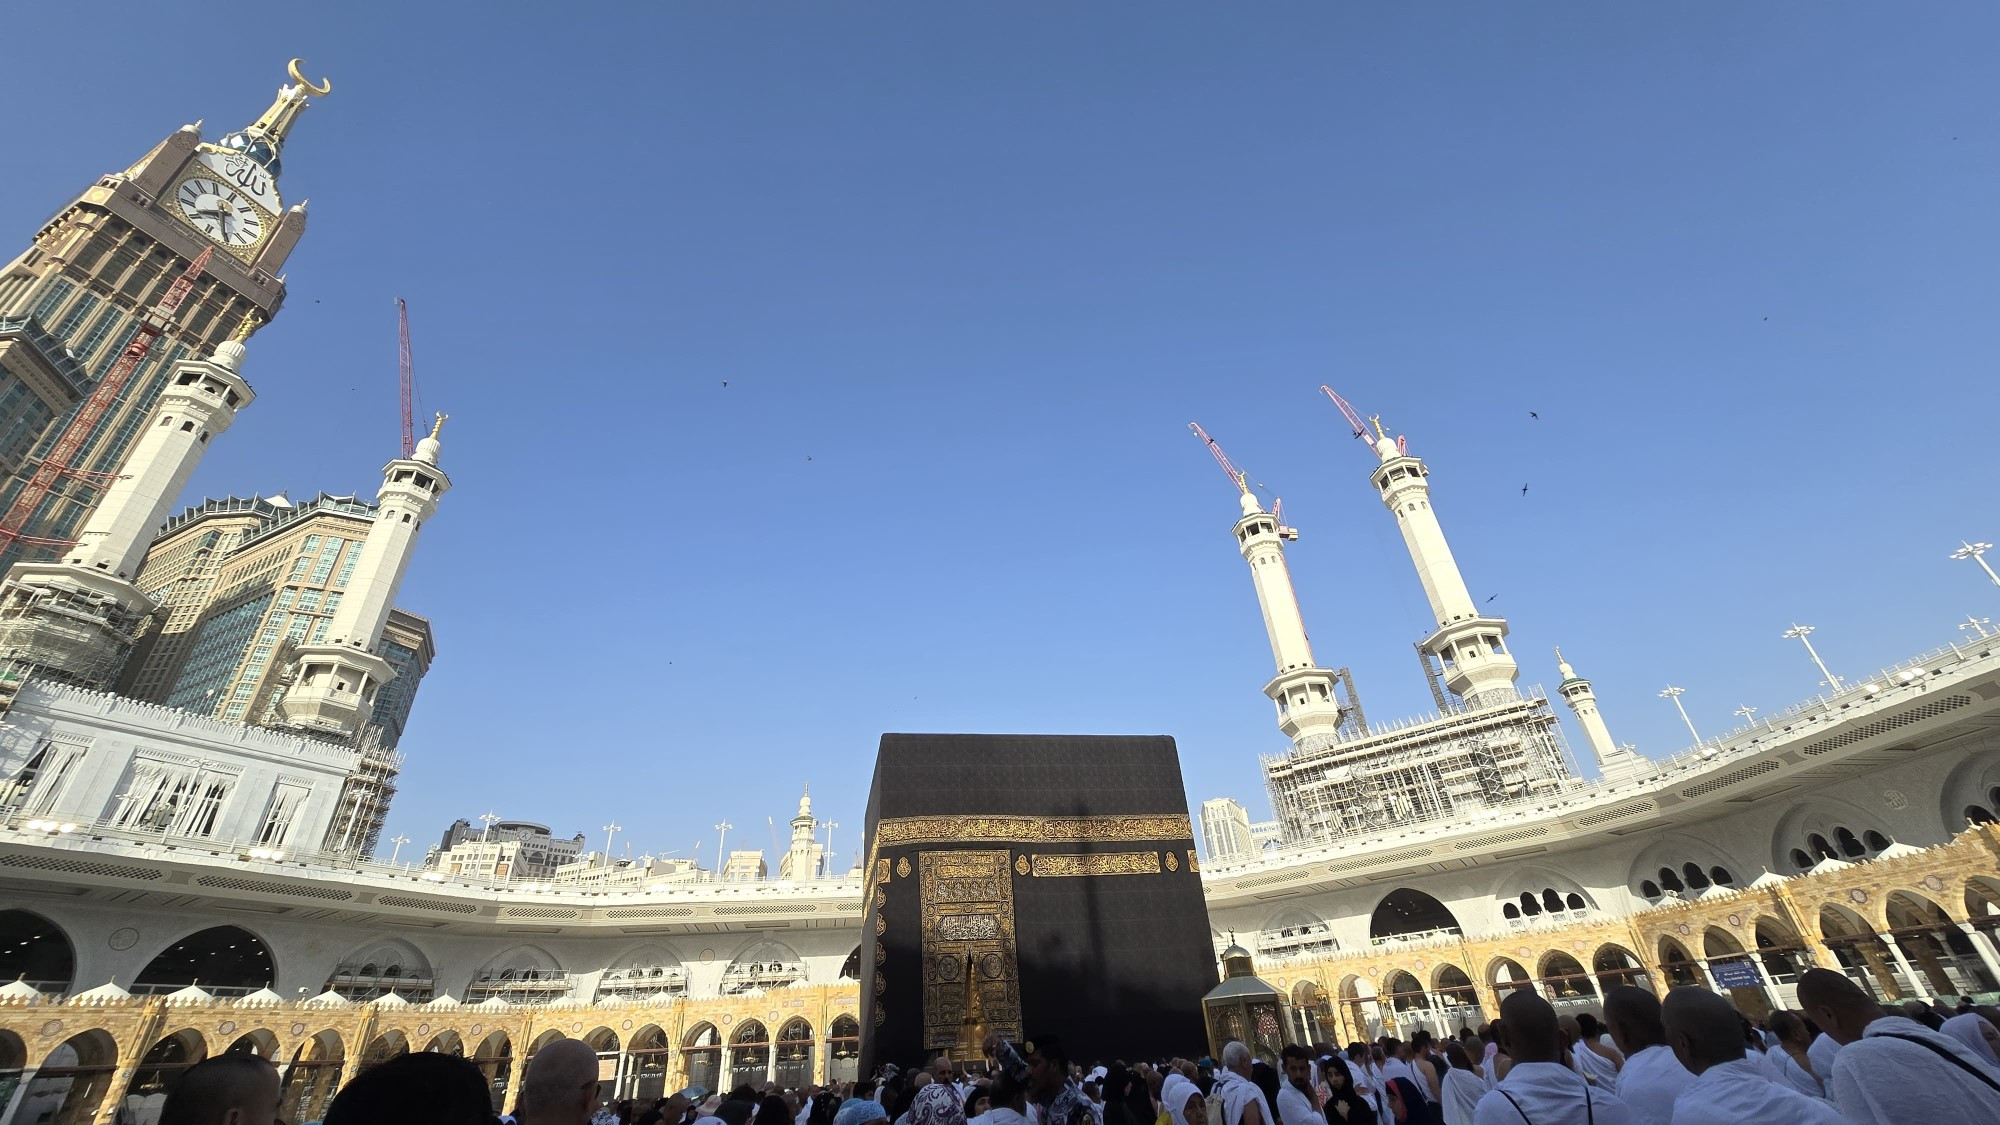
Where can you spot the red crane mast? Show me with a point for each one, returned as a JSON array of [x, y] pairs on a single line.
[[408, 379], [58, 462], [1236, 476]]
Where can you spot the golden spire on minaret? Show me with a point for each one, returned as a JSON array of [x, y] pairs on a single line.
[[250, 325], [438, 428], [277, 121]]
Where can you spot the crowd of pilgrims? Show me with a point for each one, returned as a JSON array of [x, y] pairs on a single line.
[[1691, 1059]]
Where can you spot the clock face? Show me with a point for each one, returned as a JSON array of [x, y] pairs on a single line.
[[219, 211]]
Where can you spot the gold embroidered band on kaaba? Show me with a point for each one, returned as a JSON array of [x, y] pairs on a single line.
[[899, 831], [1102, 863]]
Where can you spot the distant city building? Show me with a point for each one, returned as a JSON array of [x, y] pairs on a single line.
[[240, 584], [595, 869], [517, 850], [1225, 830], [745, 867]]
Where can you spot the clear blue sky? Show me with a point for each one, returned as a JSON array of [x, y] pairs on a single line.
[[981, 263]]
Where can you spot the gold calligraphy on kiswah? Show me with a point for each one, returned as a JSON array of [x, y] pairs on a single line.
[[1104, 863], [1029, 829]]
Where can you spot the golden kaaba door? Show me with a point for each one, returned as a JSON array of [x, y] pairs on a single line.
[[971, 976]]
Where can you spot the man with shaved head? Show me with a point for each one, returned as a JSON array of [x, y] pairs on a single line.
[[225, 1090], [1892, 1070], [1652, 1077], [560, 1087], [1540, 1088], [1707, 1037]]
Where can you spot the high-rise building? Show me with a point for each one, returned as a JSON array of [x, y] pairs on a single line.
[[72, 301], [242, 582], [1225, 830]]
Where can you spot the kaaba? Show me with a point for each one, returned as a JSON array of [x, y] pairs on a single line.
[[1031, 885]]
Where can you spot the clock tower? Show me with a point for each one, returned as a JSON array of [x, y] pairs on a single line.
[[71, 302]]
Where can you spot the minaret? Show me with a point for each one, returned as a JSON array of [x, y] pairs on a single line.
[[76, 619], [801, 859], [1302, 690], [1615, 762], [1477, 666], [334, 682]]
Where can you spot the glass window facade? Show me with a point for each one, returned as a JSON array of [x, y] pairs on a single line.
[[218, 649]]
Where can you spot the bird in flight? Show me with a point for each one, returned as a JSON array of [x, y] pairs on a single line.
[[725, 382], [1489, 601], [1534, 415], [1524, 490]]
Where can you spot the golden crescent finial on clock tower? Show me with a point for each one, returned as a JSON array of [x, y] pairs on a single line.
[[324, 87]]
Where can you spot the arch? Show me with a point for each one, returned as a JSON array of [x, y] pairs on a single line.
[[1562, 977], [225, 960], [494, 1056], [1680, 969], [13, 1052], [1664, 862], [382, 966], [70, 1085], [602, 1039], [1934, 946], [316, 1075], [1617, 966], [35, 949], [795, 1053], [763, 965], [1825, 827], [1695, 878], [701, 1056], [1311, 1011], [164, 1061], [1404, 992], [1968, 794], [749, 1053], [850, 969], [1505, 973], [1718, 942], [1453, 987], [1982, 900], [1855, 945], [446, 1042], [384, 1047], [1778, 948], [523, 974], [652, 1055], [262, 1042], [1407, 912], [843, 1042], [643, 972]]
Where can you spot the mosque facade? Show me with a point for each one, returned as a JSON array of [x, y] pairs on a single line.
[[181, 879]]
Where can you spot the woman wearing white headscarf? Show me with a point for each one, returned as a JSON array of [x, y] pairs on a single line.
[[1979, 1036], [1183, 1101]]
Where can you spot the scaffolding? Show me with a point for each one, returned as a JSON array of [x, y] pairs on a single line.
[[64, 631], [1450, 765]]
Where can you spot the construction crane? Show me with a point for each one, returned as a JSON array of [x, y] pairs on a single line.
[[1353, 417], [409, 380], [1242, 481], [85, 421]]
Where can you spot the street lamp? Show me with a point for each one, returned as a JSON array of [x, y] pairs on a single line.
[[1977, 552], [399, 841], [610, 830], [1674, 693], [487, 818], [1803, 634], [826, 861], [721, 834], [1748, 712], [1978, 623]]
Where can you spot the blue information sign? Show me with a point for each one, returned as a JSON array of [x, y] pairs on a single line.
[[1735, 974]]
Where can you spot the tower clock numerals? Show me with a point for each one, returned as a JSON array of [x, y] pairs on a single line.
[[219, 211]]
